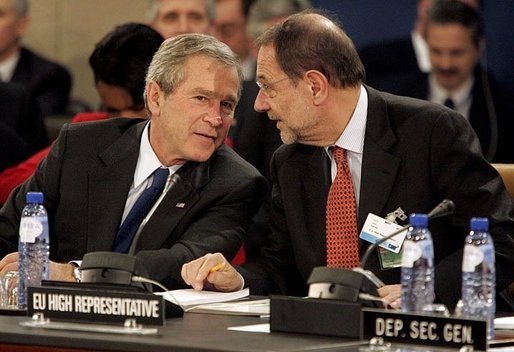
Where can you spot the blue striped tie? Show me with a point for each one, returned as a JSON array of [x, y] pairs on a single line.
[[138, 212]]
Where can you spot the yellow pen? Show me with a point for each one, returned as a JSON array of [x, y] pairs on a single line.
[[217, 267]]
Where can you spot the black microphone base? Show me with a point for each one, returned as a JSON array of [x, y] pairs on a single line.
[[315, 316]]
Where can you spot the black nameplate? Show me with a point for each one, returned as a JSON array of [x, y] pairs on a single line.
[[328, 317], [418, 329], [95, 306]]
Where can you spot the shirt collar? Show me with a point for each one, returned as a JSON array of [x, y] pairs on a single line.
[[460, 96], [147, 161], [422, 52], [8, 66], [352, 138]]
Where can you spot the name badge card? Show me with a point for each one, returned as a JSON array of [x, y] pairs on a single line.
[[375, 228]]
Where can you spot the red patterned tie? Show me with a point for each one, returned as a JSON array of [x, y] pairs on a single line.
[[342, 241]]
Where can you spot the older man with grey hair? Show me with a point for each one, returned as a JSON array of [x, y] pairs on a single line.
[[97, 173], [173, 17]]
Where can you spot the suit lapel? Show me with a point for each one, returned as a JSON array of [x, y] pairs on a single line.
[[107, 199], [22, 70], [314, 182], [175, 205], [379, 166]]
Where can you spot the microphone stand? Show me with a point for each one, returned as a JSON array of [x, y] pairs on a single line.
[[357, 281]]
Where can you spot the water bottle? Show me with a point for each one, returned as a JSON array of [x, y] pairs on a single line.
[[33, 246], [479, 275], [417, 277]]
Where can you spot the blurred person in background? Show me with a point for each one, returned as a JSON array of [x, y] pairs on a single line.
[[230, 27], [119, 63], [47, 82], [388, 63], [173, 17], [22, 131]]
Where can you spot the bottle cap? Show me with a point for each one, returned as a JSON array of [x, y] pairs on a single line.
[[479, 224], [418, 219], [35, 197]]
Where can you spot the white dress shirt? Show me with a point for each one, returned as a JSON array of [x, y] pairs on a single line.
[[422, 52], [147, 163], [8, 66], [461, 97]]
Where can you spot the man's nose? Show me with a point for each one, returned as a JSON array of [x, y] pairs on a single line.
[[446, 62], [261, 102], [214, 116], [184, 25]]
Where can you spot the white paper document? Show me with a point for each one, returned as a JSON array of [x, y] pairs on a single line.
[[188, 298], [506, 323], [251, 328], [259, 308]]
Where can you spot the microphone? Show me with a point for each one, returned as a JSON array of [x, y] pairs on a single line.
[[446, 207], [359, 284]]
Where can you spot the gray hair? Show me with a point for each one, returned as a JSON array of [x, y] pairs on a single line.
[[21, 7], [167, 66], [154, 6], [263, 11]]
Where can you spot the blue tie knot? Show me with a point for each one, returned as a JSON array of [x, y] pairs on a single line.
[[159, 177]]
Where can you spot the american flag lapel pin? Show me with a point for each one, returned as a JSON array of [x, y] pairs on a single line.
[[180, 205]]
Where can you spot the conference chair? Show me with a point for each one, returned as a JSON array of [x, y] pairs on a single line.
[[506, 171]]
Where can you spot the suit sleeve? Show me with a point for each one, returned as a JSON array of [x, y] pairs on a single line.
[[275, 269], [462, 174], [218, 223]]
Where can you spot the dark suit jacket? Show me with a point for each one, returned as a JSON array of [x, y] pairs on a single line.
[[254, 136], [480, 117], [415, 154], [22, 131], [86, 178], [49, 83], [389, 61]]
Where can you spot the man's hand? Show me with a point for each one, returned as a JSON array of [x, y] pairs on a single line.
[[57, 271], [212, 272], [61, 272], [391, 295], [9, 263]]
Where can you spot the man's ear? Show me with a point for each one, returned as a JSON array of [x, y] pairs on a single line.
[[153, 98], [22, 25], [318, 85]]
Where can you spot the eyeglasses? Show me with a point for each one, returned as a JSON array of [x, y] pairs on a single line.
[[267, 88]]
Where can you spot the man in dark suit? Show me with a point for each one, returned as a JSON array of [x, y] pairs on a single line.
[[385, 60], [401, 152], [388, 63], [21, 126], [456, 42], [47, 82], [95, 172]]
